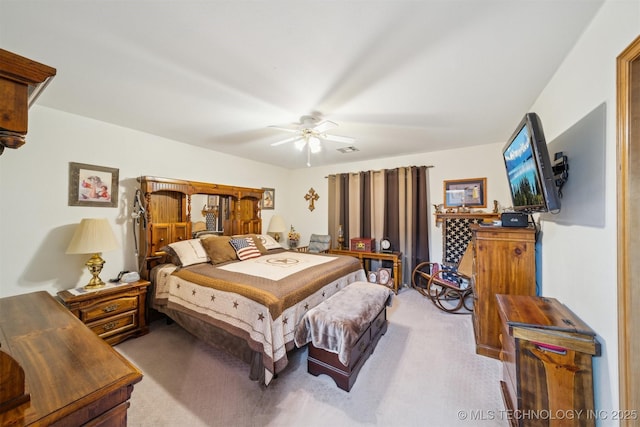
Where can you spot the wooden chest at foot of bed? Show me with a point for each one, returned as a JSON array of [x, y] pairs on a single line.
[[324, 362]]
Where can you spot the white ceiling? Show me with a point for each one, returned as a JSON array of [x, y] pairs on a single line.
[[400, 76]]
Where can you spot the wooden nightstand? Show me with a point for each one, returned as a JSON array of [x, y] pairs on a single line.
[[114, 313]]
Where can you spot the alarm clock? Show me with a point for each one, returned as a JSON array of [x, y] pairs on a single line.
[[385, 245]]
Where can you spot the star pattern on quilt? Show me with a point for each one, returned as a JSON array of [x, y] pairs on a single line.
[[306, 306], [456, 236], [261, 317], [285, 320], [193, 292], [213, 298], [235, 304]]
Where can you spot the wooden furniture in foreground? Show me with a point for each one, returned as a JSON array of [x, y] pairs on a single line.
[[21, 81], [504, 263], [74, 378], [114, 313], [168, 212], [366, 257], [546, 355]]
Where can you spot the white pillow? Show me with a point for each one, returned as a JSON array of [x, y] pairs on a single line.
[[190, 252], [269, 242]]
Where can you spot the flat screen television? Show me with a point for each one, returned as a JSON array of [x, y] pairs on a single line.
[[529, 169]]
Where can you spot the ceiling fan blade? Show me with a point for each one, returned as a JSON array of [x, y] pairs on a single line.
[[284, 128], [284, 141], [324, 126], [337, 138]]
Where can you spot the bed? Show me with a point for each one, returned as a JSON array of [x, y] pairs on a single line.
[[250, 307]]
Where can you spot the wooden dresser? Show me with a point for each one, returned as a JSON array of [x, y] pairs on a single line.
[[547, 369], [503, 263], [72, 376]]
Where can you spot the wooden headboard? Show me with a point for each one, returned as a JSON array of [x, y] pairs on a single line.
[[168, 212]]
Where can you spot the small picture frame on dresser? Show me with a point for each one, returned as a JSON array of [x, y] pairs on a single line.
[[373, 277], [384, 276]]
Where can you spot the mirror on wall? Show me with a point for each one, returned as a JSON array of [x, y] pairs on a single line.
[[209, 213]]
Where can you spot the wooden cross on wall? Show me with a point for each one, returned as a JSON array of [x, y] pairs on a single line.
[[311, 197]]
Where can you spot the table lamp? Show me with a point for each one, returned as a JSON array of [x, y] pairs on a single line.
[[276, 226], [93, 236]]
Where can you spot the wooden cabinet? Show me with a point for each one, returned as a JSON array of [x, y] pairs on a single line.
[[114, 313], [73, 377], [21, 81], [546, 359], [503, 263], [161, 234], [167, 204]]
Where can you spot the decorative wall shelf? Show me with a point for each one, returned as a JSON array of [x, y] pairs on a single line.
[[487, 216]]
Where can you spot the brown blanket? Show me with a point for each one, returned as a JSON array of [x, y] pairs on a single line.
[[336, 324], [275, 295]]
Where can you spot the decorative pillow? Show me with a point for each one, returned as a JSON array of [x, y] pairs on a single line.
[[190, 252], [219, 249], [172, 256], [204, 233], [268, 242], [256, 241], [245, 248]]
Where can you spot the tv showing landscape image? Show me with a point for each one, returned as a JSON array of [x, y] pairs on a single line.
[[522, 171]]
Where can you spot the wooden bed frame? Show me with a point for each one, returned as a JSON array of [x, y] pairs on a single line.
[[167, 203], [168, 207]]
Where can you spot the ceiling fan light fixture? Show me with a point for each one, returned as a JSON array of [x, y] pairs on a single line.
[[314, 145], [299, 144]]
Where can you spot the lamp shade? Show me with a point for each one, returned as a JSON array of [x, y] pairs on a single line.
[[276, 225], [93, 235]]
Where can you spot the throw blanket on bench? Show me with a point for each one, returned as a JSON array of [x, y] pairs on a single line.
[[336, 324]]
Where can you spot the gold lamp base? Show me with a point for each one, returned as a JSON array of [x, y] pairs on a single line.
[[95, 268]]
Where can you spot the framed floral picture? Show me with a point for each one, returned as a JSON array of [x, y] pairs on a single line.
[[269, 198], [91, 185], [465, 193]]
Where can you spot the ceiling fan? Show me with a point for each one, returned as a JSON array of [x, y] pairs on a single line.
[[309, 133]]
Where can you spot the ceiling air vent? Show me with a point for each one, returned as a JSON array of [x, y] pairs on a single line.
[[345, 150]]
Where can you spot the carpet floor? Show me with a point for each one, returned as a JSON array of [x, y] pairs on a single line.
[[424, 372]]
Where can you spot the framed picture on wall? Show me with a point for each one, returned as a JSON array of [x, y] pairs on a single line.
[[470, 192], [269, 198], [91, 185]]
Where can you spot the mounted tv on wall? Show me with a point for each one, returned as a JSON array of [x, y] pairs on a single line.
[[529, 169]]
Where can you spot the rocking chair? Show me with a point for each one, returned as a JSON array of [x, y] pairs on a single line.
[[448, 288]]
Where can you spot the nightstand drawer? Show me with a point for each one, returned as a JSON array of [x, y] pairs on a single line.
[[114, 325], [108, 308]]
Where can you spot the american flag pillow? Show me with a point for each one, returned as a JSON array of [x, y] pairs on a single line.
[[245, 248]]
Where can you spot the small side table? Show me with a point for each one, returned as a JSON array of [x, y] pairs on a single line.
[[366, 257], [114, 313]]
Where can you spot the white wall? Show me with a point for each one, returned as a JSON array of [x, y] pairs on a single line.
[[36, 224], [579, 263], [474, 162]]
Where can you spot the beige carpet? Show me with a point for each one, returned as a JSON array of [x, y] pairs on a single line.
[[424, 372]]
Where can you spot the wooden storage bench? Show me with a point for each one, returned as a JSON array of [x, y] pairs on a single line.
[[343, 331]]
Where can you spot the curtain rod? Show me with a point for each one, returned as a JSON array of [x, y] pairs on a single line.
[[381, 170]]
